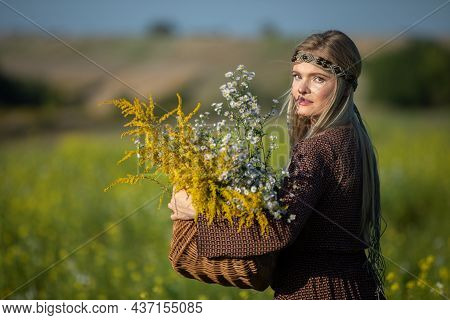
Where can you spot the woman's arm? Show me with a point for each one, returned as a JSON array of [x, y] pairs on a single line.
[[301, 190]]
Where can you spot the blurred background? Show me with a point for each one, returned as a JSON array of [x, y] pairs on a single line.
[[62, 237]]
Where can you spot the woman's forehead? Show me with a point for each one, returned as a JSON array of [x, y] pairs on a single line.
[[306, 68]]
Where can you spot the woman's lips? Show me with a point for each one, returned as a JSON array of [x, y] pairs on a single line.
[[303, 102]]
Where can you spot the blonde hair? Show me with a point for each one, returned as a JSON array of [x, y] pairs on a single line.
[[340, 110]]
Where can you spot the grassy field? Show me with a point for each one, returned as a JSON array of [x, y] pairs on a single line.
[[52, 207]]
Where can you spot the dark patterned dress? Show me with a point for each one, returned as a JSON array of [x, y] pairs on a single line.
[[319, 253]]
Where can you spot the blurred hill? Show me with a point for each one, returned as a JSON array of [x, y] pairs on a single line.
[[89, 70]]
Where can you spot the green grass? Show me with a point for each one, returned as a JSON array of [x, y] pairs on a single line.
[[413, 152], [52, 202]]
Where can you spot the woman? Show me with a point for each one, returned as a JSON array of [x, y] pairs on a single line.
[[332, 189]]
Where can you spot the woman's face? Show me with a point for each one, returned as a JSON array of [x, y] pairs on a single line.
[[312, 87]]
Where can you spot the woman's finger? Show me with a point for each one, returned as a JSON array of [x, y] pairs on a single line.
[[183, 214]]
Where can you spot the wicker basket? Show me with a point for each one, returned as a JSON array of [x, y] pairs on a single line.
[[247, 273]]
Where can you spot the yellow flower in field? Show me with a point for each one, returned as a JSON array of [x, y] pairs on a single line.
[[425, 264], [144, 295], [410, 284], [390, 277], [443, 273], [395, 286], [113, 230], [421, 283], [430, 259], [63, 253]]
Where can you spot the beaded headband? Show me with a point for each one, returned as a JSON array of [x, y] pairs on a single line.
[[326, 65]]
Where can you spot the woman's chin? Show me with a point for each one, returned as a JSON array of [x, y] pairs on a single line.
[[302, 111]]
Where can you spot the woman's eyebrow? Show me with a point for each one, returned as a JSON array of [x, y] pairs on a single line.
[[312, 73]]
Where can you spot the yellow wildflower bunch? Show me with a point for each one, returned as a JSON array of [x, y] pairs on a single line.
[[225, 170]]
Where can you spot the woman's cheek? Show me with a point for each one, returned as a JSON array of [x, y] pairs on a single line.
[[318, 88], [324, 91]]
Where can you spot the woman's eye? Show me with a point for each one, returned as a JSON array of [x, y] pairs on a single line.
[[320, 80], [317, 79]]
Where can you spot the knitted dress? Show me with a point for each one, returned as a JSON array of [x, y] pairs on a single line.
[[319, 253]]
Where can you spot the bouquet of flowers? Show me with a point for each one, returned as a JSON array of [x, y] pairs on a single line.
[[224, 166]]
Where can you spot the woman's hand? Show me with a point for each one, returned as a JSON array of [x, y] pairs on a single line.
[[181, 206]]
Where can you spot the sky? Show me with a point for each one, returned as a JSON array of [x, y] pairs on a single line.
[[232, 17]]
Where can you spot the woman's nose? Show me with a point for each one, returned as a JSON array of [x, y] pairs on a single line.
[[303, 87]]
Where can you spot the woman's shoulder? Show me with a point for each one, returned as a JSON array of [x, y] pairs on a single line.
[[333, 133], [326, 143], [331, 136]]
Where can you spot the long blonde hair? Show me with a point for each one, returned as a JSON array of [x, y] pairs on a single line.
[[338, 48]]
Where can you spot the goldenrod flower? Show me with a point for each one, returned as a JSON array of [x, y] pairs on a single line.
[[225, 170]]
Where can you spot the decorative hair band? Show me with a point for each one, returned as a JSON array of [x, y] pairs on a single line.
[[304, 56]]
